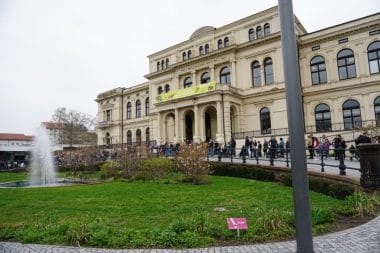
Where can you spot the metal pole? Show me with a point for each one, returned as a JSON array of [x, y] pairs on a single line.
[[296, 128]]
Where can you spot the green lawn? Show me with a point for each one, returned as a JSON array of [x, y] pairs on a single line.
[[143, 214]]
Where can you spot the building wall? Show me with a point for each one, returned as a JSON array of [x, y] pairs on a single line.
[[235, 107]]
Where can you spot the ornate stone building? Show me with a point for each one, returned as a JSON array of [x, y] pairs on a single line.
[[228, 82]]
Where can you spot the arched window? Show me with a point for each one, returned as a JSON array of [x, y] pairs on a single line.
[[346, 64], [189, 54], [225, 75], [256, 75], [147, 136], [129, 110], [188, 82], [220, 44], [251, 34], [318, 70], [201, 51], [138, 109], [268, 71], [374, 57], [377, 110], [147, 106], [351, 114], [265, 121], [259, 32], [160, 90], [184, 56], [138, 136], [266, 29], [158, 66], [226, 42], [162, 64], [167, 63], [167, 88], [205, 77], [207, 49], [129, 137], [322, 118]]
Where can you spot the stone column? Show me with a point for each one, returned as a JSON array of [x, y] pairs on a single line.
[[176, 127], [194, 76], [219, 115], [159, 126], [212, 73], [331, 67], [233, 73], [227, 120], [196, 125]]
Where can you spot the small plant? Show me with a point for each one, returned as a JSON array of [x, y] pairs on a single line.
[[286, 179], [321, 216], [110, 169], [362, 204], [340, 191]]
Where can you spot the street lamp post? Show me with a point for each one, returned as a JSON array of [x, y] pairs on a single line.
[[296, 128]]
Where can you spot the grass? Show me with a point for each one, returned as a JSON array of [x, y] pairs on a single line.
[[142, 214]]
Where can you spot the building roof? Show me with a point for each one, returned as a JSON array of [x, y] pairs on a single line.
[[14, 137], [52, 125]]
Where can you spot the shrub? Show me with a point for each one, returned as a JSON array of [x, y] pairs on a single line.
[[319, 185], [362, 204], [321, 216], [340, 191], [110, 169], [286, 179], [278, 222], [190, 160], [234, 170], [154, 169]]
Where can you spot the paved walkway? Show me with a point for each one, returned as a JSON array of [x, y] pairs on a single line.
[[361, 239]]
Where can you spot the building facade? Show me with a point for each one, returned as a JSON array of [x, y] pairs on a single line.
[[15, 149], [228, 82]]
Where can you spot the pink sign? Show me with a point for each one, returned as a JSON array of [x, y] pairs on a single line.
[[237, 223]]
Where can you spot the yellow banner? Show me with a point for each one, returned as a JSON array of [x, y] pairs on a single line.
[[193, 90]]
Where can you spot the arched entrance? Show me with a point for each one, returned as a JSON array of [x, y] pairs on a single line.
[[210, 123], [170, 127], [189, 126]]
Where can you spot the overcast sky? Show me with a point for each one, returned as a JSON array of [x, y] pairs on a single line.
[[65, 52]]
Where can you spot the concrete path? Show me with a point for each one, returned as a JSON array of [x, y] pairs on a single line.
[[361, 239]]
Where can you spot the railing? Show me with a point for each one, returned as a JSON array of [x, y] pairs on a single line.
[[336, 127]]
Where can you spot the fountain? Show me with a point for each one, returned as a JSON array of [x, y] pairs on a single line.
[[43, 171]]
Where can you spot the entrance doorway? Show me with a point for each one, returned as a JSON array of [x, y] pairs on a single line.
[[189, 126], [210, 124]]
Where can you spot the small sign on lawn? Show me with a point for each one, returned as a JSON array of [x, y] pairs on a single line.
[[237, 224]]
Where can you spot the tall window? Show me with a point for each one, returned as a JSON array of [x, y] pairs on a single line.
[[129, 137], [158, 66], [160, 90], [377, 110], [201, 51], [147, 106], [167, 63], [184, 56], [207, 49], [189, 54], [220, 44], [259, 32], [138, 136], [346, 64], [167, 88], [205, 78], [147, 136], [351, 114], [318, 70], [256, 75], [129, 110], [138, 109], [266, 29], [268, 71], [162, 64], [107, 115], [265, 121], [226, 42], [251, 34], [188, 82], [322, 118], [225, 75], [374, 57]]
